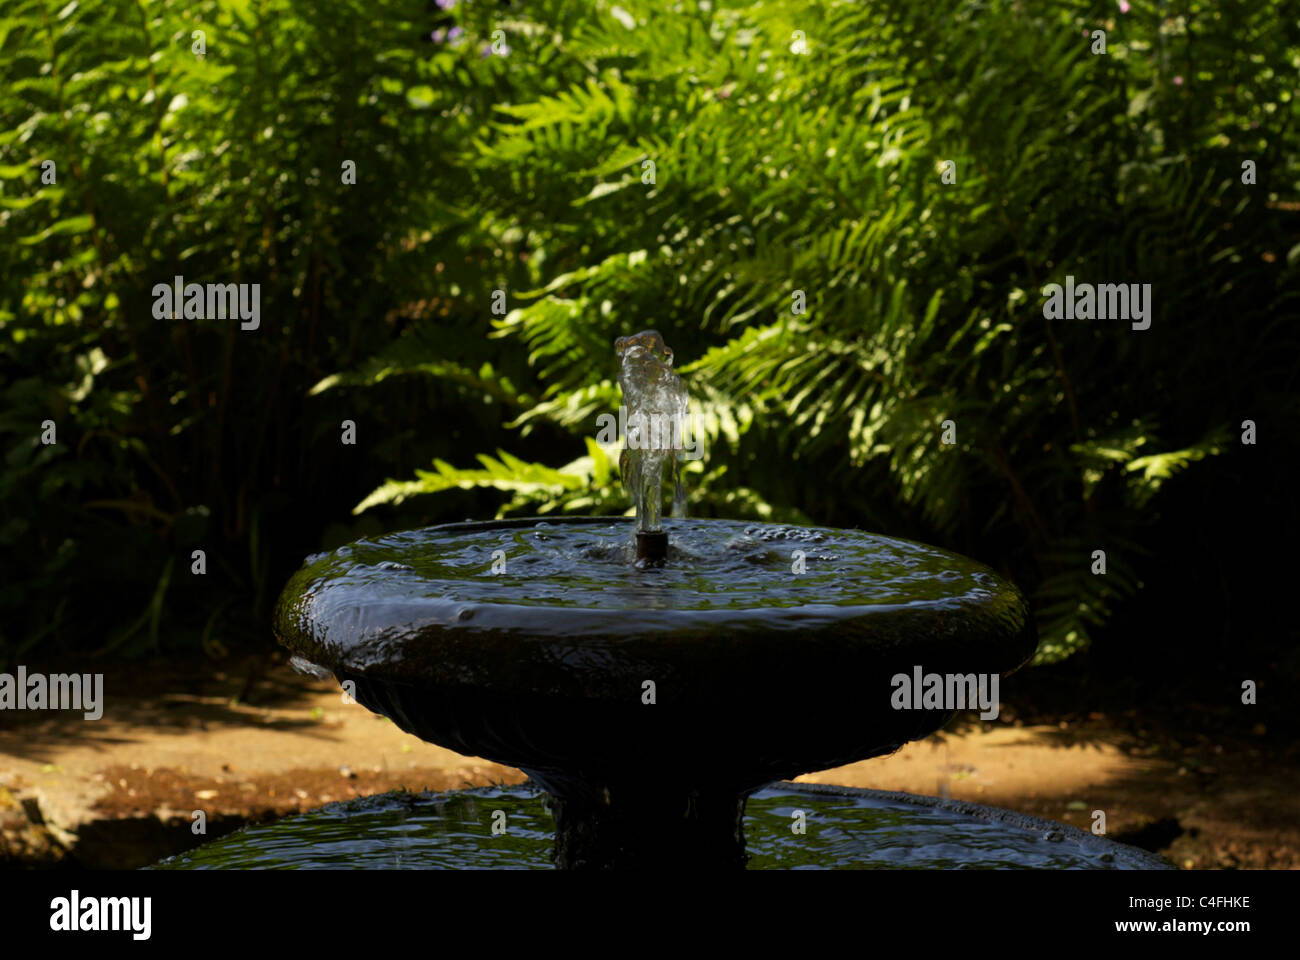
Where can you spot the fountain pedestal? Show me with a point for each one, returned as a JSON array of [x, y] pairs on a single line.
[[648, 826]]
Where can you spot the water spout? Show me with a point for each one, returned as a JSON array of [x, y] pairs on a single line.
[[656, 404]]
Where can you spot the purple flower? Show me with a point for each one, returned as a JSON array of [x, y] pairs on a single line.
[[445, 36], [1124, 6], [445, 4], [1178, 81]]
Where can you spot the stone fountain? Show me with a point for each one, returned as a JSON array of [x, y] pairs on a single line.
[[650, 675]]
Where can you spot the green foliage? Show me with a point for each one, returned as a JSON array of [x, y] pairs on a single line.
[[778, 173], [775, 172], [183, 434]]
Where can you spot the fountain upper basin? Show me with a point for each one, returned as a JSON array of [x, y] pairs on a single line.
[[725, 667]]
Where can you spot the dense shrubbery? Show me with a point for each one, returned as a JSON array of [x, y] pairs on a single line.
[[524, 171]]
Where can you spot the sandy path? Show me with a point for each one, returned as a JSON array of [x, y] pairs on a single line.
[[168, 744]]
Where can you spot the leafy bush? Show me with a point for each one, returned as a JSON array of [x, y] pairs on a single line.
[[227, 167]]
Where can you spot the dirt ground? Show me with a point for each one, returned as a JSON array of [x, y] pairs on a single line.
[[251, 741]]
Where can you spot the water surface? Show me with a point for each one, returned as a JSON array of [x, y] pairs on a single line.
[[713, 565], [454, 831]]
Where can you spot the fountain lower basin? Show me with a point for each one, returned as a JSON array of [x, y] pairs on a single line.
[[845, 829], [651, 702]]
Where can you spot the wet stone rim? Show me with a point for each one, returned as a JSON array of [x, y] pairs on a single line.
[[562, 650]]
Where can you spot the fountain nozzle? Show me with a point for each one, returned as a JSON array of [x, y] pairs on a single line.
[[651, 546]]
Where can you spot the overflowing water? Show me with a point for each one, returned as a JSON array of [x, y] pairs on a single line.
[[454, 831]]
